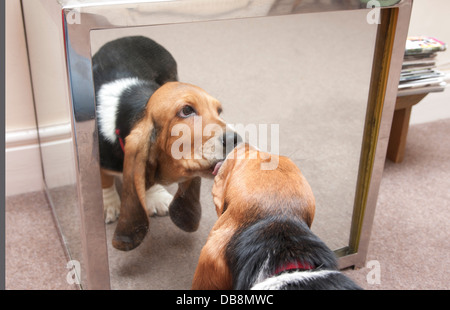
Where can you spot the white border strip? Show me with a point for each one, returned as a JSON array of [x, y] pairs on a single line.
[[30, 136]]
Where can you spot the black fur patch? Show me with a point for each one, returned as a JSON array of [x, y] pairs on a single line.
[[272, 242], [133, 57], [130, 57], [132, 105], [131, 109]]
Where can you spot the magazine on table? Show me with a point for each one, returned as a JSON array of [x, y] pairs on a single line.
[[419, 73], [423, 45], [432, 74]]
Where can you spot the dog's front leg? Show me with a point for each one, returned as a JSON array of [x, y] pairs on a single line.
[[111, 199], [185, 209], [158, 200]]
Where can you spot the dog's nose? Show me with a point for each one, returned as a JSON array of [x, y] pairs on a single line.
[[230, 140]]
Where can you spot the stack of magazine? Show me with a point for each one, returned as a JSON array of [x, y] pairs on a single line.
[[419, 74]]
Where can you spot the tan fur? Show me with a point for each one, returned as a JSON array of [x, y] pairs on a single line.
[[148, 157], [107, 179], [241, 191]]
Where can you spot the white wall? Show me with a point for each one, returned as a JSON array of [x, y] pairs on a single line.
[[432, 18], [19, 100], [22, 162]]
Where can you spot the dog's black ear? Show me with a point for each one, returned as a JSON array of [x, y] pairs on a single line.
[[185, 209], [138, 174]]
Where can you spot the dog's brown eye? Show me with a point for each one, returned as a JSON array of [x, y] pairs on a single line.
[[186, 111]]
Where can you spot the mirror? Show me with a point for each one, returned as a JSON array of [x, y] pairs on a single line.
[[306, 76], [46, 55]]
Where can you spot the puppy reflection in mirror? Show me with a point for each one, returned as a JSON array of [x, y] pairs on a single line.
[[139, 103]]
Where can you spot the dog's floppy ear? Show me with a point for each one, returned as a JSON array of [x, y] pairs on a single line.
[[138, 174], [185, 209]]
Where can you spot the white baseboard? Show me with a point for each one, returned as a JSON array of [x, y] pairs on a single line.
[[23, 165], [23, 169]]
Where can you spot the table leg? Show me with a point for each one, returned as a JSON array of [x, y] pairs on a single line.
[[399, 132]]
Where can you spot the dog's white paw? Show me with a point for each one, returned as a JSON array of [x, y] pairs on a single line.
[[111, 204], [158, 200]]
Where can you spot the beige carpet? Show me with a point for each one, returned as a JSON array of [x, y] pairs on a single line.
[[409, 238], [34, 256]]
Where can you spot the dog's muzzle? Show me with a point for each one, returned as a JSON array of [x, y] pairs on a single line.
[[230, 140]]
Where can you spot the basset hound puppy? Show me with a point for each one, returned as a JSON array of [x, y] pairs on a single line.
[[262, 238], [154, 131]]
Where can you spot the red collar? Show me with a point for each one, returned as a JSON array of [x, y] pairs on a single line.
[[122, 144], [294, 265]]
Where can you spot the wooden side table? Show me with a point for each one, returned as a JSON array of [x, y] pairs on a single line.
[[400, 124]]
